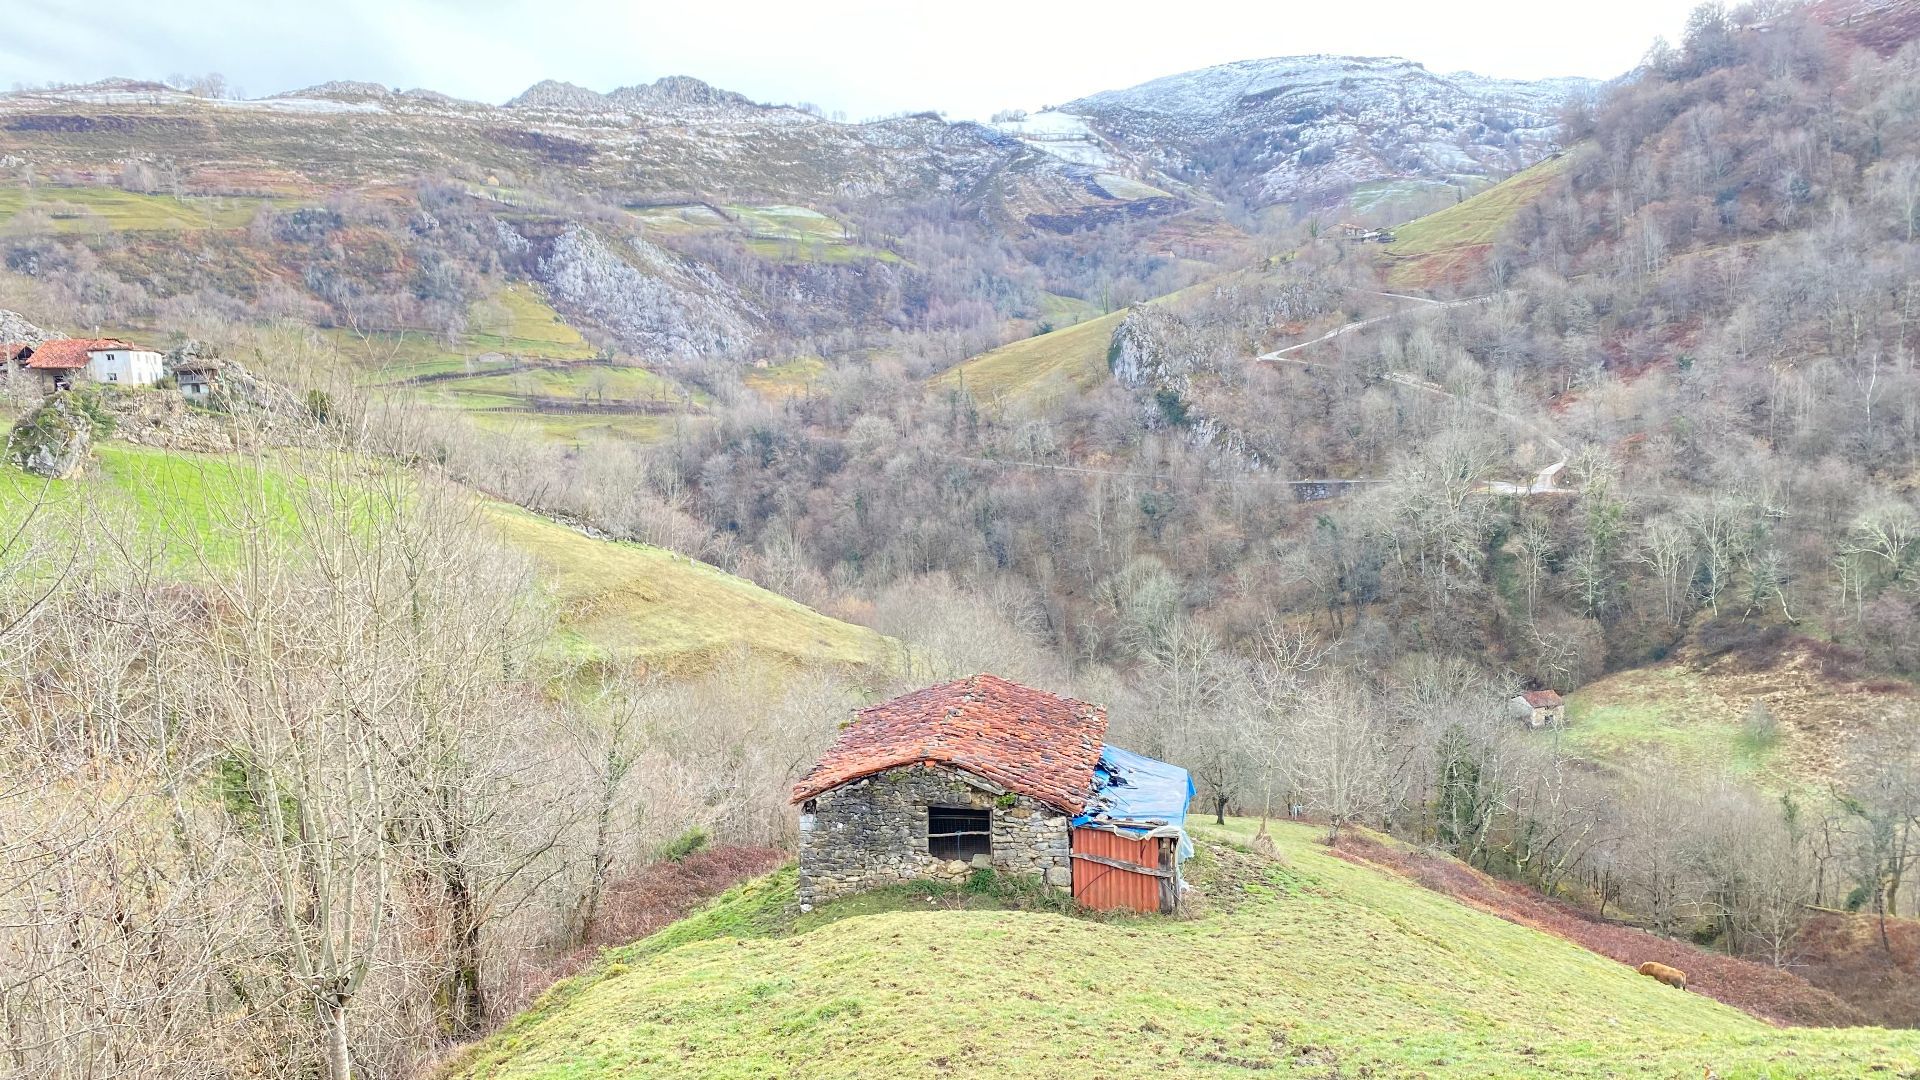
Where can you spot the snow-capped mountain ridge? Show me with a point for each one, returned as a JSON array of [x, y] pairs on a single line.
[[1207, 92], [1267, 131], [1294, 127]]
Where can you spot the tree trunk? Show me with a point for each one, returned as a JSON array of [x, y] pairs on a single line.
[[602, 862], [1896, 869], [466, 998], [1219, 809], [333, 1017], [1880, 906]]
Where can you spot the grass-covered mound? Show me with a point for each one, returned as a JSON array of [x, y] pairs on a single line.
[[1313, 966]]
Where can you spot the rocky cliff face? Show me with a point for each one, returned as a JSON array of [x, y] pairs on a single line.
[[662, 307], [1160, 354], [1182, 363]]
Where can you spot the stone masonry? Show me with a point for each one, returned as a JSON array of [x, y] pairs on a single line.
[[872, 831]]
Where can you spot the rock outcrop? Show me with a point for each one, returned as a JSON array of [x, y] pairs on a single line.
[[16, 329], [554, 94], [678, 93], [243, 410], [55, 439], [662, 307], [1183, 363]]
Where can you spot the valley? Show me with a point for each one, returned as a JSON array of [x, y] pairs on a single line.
[[651, 581]]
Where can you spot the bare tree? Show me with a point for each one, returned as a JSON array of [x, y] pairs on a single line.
[[1279, 686], [1344, 762]]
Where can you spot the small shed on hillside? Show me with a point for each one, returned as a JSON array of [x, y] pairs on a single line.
[[986, 773], [197, 376], [1365, 233], [1539, 708], [1129, 841]]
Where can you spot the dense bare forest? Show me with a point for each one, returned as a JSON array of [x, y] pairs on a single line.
[[297, 782]]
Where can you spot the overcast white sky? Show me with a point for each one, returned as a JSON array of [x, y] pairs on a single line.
[[965, 58]]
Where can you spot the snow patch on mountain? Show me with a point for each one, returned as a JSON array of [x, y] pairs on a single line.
[[1063, 135]]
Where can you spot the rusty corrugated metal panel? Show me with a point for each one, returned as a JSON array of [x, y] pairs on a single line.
[[1110, 888]]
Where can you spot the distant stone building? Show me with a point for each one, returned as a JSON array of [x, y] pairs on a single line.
[[197, 377], [985, 773], [1539, 708], [1365, 233]]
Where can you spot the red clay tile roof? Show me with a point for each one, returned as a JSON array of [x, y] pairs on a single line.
[[70, 352], [1542, 699], [11, 349], [1025, 740]]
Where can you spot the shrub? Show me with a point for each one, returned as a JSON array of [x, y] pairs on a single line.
[[95, 410], [692, 841], [1760, 729], [319, 405]]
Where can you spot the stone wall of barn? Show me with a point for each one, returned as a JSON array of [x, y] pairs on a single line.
[[873, 831]]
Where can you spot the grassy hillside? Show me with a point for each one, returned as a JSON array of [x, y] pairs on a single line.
[[1449, 244], [1070, 359], [788, 234], [515, 321], [632, 601], [1311, 965], [185, 505], [1780, 712], [81, 209], [523, 369], [1074, 358], [616, 601], [792, 378]]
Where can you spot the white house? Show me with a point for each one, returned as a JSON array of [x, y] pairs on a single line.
[[59, 363], [110, 361]]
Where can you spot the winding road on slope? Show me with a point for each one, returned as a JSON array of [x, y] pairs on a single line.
[[1544, 482]]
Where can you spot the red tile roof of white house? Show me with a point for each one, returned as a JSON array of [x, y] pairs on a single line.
[[1028, 741], [1542, 699], [69, 353]]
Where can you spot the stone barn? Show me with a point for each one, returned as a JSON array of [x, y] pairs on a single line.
[[1539, 708], [987, 773]]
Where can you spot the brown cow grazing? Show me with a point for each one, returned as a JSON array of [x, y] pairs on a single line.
[[1673, 977]]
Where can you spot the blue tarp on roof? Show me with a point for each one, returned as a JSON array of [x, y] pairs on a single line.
[[1139, 796]]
